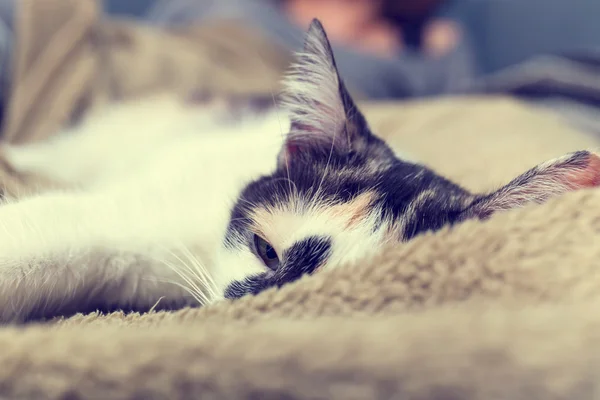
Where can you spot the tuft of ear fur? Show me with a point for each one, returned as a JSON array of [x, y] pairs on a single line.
[[579, 170], [322, 113]]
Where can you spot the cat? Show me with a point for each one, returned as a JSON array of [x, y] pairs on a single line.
[[167, 204]]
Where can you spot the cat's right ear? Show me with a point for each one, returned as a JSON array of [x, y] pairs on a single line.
[[322, 112], [575, 171]]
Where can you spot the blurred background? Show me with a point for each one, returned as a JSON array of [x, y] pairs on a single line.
[[501, 32], [543, 51], [494, 34]]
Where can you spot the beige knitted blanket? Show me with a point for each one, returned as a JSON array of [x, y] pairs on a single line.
[[496, 310]]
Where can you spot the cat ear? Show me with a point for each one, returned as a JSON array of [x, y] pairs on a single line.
[[574, 171], [323, 115]]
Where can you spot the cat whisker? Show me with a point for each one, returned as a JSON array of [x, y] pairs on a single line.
[[199, 268], [190, 291], [199, 273], [193, 288], [290, 182], [193, 279], [153, 308]]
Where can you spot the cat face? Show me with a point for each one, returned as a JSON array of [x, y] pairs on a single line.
[[339, 193]]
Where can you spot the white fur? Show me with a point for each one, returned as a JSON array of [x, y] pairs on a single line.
[[155, 182], [313, 84], [138, 201]]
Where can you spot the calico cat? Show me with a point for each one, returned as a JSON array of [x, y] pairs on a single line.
[[170, 204]]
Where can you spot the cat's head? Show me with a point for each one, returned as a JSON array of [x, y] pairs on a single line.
[[339, 193]]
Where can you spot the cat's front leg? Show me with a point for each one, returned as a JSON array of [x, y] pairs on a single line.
[[65, 253]]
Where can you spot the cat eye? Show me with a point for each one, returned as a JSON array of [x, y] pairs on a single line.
[[266, 252]]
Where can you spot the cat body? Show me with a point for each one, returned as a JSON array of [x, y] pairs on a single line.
[[169, 203], [154, 181]]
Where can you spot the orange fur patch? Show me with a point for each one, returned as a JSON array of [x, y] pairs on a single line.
[[355, 210]]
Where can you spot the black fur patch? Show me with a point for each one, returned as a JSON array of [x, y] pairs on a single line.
[[301, 258], [339, 178]]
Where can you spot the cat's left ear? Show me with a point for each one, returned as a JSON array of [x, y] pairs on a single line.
[[323, 115]]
